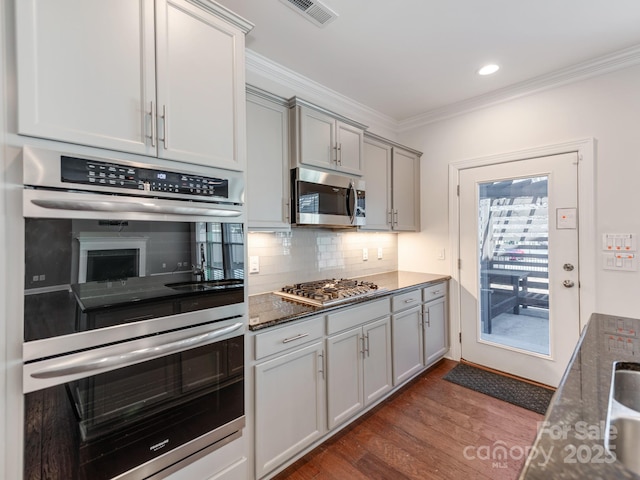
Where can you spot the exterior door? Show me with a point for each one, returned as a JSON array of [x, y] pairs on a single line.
[[519, 275]]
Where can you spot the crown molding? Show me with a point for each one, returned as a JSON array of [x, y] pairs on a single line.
[[599, 66], [330, 99], [309, 89]]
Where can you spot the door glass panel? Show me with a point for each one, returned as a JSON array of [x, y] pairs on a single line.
[[513, 254]]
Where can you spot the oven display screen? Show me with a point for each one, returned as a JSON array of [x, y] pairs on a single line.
[[162, 176]]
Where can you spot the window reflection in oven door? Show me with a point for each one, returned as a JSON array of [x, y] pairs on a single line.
[[136, 420]]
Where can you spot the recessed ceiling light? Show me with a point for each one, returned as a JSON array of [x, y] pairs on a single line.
[[488, 69]]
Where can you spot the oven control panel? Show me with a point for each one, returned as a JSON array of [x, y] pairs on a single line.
[[92, 172]]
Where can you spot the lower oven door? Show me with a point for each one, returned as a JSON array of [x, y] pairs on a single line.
[[134, 409]]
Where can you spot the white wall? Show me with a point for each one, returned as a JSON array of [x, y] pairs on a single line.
[[606, 108]]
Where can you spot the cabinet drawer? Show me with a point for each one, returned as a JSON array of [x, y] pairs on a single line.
[[434, 291], [281, 339], [353, 316], [406, 300]]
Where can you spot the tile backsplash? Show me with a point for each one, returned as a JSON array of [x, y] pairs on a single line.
[[306, 254]]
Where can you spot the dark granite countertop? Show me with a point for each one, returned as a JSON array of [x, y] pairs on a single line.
[[267, 309], [571, 440]]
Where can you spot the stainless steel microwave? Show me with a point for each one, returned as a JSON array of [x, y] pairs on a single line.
[[324, 199]]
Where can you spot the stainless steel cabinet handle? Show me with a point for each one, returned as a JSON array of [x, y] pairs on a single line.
[[437, 292], [147, 206], [390, 217], [88, 364], [367, 347], [165, 128], [395, 218], [153, 125], [410, 300], [297, 337], [362, 346], [321, 369], [339, 154]]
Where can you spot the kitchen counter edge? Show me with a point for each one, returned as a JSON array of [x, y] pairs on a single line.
[[269, 310], [570, 443]]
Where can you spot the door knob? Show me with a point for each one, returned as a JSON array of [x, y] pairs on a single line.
[[568, 283], [568, 267]]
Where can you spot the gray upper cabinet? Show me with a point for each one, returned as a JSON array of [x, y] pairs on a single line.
[[267, 161], [405, 190], [323, 139], [377, 175], [392, 176], [152, 77]]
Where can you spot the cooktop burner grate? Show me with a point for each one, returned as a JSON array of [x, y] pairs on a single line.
[[329, 291]]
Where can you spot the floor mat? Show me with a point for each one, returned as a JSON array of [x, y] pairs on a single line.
[[523, 394]]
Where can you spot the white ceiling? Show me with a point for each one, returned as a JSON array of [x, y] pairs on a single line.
[[405, 58]]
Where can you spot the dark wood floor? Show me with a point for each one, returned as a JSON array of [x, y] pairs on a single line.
[[433, 429]]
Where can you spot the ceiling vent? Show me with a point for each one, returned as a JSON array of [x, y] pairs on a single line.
[[313, 10]]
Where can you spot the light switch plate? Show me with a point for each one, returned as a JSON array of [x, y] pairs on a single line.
[[365, 254], [620, 261], [619, 242]]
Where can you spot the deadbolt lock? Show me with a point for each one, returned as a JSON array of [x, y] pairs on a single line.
[[568, 267]]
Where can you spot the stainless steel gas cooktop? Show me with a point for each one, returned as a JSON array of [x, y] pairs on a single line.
[[323, 293]]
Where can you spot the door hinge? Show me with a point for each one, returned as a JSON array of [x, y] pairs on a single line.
[[460, 337], [458, 190], [459, 264]]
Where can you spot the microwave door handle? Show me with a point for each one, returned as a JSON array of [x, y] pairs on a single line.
[[352, 193], [96, 363]]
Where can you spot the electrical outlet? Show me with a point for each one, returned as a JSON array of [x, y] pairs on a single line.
[[441, 254], [365, 254], [379, 253], [254, 264]]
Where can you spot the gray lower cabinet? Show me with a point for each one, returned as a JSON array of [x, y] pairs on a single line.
[[290, 399], [434, 318], [407, 335], [435, 322], [358, 369], [420, 330], [302, 394]]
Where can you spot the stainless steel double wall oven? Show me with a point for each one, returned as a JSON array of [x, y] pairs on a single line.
[[134, 315]]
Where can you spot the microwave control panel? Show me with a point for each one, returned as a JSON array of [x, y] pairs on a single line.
[[91, 172]]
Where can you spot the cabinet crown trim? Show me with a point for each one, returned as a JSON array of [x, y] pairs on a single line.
[[296, 101], [373, 136], [258, 92], [225, 14]]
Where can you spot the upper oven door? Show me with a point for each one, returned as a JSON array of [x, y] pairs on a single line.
[[103, 269]]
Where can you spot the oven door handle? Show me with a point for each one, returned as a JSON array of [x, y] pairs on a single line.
[[89, 364], [144, 206]]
